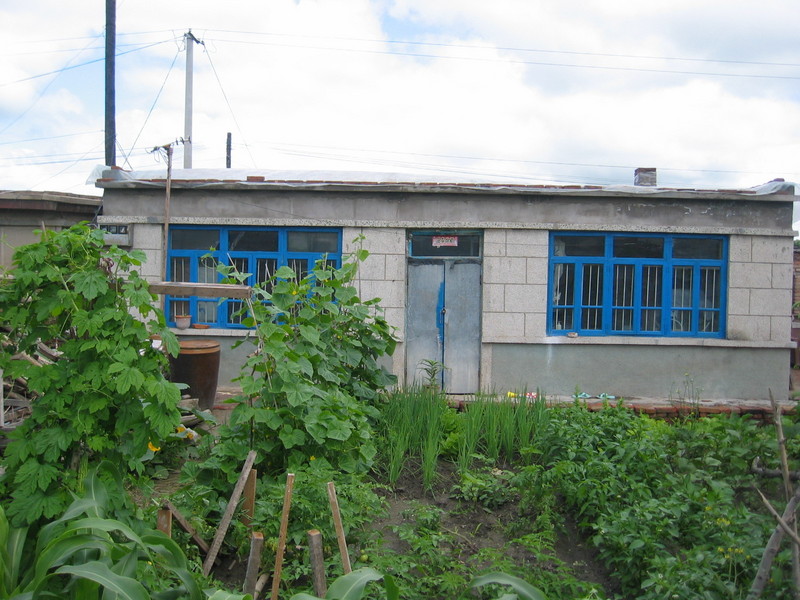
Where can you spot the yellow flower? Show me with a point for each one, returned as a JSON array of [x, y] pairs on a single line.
[[313, 458], [153, 447], [181, 428]]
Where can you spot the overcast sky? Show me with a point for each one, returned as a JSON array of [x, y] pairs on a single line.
[[532, 91]]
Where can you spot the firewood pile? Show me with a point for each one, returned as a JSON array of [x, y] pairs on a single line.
[[16, 397]]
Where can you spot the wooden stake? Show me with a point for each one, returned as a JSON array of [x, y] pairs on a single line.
[[337, 523], [164, 520], [787, 488], [249, 502], [287, 502], [317, 563], [228, 516], [253, 562], [260, 585], [187, 527]]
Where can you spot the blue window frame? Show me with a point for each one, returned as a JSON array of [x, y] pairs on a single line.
[[637, 284], [195, 252]]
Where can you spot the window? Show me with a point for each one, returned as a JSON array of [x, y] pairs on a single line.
[[646, 285], [194, 253], [444, 244]]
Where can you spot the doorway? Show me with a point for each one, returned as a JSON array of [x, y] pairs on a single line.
[[443, 309]]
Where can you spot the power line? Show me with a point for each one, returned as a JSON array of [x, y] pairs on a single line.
[[514, 49]]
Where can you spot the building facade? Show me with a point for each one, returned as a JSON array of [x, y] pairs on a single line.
[[629, 291]]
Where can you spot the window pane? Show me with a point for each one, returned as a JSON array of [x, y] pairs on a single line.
[[651, 285], [234, 306], [207, 270], [564, 285], [253, 241], [579, 245], [563, 318], [445, 244], [265, 269], [195, 239], [638, 247], [710, 287], [299, 266], [651, 320], [622, 319], [623, 285], [697, 248], [682, 287], [207, 311], [178, 307], [592, 297], [681, 320], [709, 321], [180, 269], [312, 241], [240, 265]]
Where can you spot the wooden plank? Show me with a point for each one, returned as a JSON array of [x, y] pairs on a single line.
[[253, 562], [317, 563], [205, 290], [337, 523], [228, 515], [287, 502], [249, 502], [187, 527], [164, 521]]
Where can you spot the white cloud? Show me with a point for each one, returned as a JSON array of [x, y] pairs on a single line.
[[319, 84]]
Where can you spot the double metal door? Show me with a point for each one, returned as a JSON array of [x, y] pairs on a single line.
[[443, 322]]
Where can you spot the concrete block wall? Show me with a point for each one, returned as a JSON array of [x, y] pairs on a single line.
[[383, 275], [149, 238], [514, 285], [760, 288]]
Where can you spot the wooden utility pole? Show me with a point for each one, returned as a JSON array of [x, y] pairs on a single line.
[[111, 43]]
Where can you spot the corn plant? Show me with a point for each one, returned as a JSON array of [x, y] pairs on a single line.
[[86, 554]]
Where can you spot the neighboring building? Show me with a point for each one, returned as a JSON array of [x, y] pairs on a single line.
[[631, 291], [24, 212]]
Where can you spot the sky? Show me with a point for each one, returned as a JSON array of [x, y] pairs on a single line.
[[528, 91]]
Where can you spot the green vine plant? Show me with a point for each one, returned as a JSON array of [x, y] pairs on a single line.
[[106, 396], [311, 385]]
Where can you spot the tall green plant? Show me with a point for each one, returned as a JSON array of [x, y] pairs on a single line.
[[309, 386], [87, 555], [106, 396]]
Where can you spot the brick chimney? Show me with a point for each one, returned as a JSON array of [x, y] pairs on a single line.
[[645, 176]]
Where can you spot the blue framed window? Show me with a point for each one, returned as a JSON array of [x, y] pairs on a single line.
[[637, 284], [195, 252]]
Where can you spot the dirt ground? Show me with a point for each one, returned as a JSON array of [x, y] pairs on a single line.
[[477, 529]]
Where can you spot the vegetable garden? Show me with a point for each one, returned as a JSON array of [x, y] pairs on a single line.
[[503, 485]]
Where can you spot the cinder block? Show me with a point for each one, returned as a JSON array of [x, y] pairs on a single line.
[[740, 249], [148, 237], [391, 293], [739, 301], [750, 275], [537, 270], [382, 241], [525, 298], [503, 327], [504, 270], [753, 329], [773, 303], [395, 267], [373, 268], [782, 276], [781, 329], [772, 249], [535, 325], [493, 297]]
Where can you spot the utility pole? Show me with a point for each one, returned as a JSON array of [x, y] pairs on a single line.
[[187, 119], [111, 43], [228, 152]]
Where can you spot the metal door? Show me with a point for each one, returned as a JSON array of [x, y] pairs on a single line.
[[443, 321]]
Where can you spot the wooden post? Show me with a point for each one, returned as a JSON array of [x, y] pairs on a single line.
[[228, 516], [287, 502], [317, 563], [337, 523], [253, 562], [249, 502], [164, 520]]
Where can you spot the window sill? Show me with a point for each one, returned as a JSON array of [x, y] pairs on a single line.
[[210, 332]]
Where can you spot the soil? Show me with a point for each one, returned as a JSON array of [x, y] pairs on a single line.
[[473, 527], [477, 528]]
